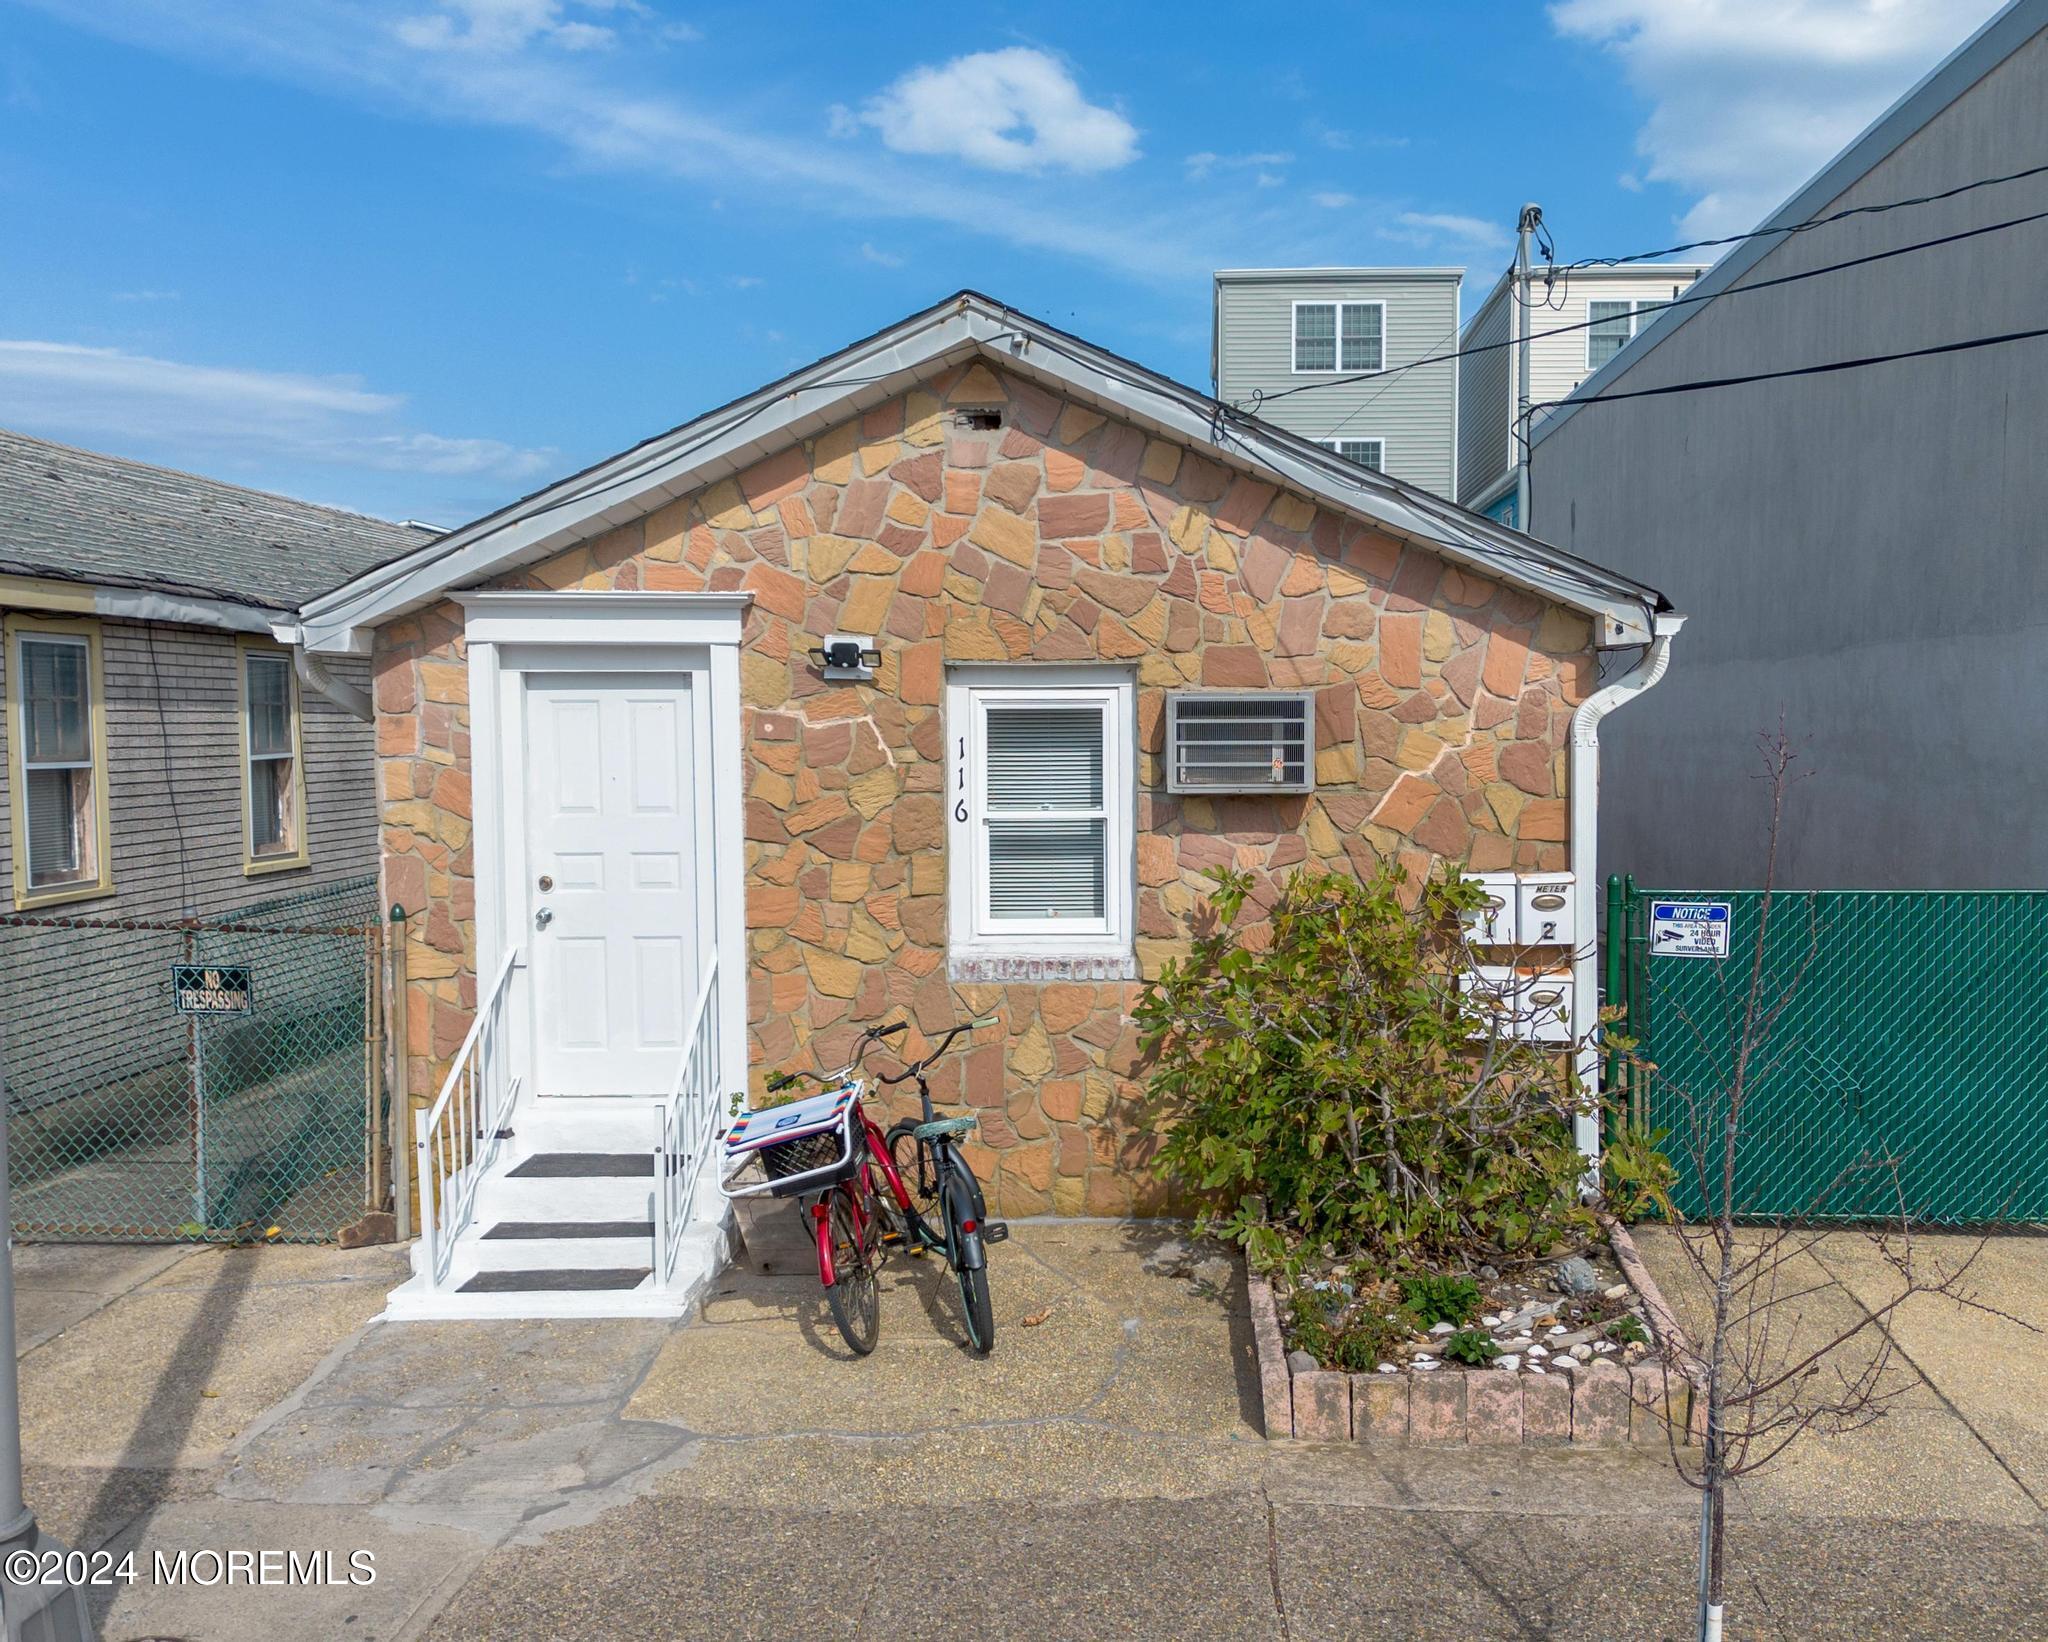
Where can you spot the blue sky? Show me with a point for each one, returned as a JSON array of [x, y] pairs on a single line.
[[419, 256]]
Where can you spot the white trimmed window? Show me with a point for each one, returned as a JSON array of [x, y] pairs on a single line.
[[58, 733], [273, 780], [1367, 453], [1339, 336], [1040, 802]]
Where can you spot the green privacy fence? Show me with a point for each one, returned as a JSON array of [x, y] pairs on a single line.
[[194, 1080], [1907, 1066]]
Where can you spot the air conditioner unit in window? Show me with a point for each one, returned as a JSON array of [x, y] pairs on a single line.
[[1260, 741]]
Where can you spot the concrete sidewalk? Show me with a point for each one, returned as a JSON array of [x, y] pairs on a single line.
[[1101, 1475]]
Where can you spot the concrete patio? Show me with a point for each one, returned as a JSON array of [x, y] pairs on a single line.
[[1102, 1475]]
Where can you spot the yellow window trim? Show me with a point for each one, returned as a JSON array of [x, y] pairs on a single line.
[[254, 865], [12, 629]]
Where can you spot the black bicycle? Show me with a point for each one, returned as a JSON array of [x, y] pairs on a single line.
[[942, 1203]]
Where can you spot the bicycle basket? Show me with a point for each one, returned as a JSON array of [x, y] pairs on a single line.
[[819, 1151]]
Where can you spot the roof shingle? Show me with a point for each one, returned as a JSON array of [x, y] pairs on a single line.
[[77, 515]]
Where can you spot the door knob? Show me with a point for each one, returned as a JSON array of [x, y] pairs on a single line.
[[543, 918]]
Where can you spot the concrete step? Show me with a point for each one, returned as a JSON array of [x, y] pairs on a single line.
[[556, 1279], [565, 1249], [565, 1125]]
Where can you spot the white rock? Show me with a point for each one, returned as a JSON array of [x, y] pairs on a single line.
[[1563, 1363], [1510, 1361], [1557, 1328], [1519, 1341], [1423, 1365], [1388, 1368], [1535, 1368], [1443, 1328], [1490, 1320], [1604, 1346], [1581, 1352], [1614, 1293], [1538, 1351]]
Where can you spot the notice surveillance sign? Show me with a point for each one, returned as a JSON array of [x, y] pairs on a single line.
[[1689, 929]]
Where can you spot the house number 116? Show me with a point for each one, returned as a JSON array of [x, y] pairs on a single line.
[[960, 807]]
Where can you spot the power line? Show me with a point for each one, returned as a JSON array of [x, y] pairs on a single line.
[[1827, 369], [1810, 223], [1684, 299]]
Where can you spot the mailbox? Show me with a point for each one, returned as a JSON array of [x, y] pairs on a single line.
[[1546, 911], [1493, 924], [1533, 1005]]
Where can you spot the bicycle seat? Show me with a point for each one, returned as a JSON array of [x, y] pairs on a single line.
[[945, 1126]]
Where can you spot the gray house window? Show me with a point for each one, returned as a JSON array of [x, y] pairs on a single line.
[[1613, 323], [273, 789], [1367, 453], [1331, 336], [57, 762]]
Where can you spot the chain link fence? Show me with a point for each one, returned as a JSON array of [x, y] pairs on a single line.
[[207, 1080], [1909, 1063]]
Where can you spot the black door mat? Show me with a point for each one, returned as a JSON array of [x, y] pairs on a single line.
[[554, 1282], [535, 1230], [583, 1165]]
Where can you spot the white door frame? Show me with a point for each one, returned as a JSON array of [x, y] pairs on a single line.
[[508, 635]]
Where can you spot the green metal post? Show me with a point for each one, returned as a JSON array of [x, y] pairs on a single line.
[[1611, 987]]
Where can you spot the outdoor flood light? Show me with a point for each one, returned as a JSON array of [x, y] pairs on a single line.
[[847, 657]]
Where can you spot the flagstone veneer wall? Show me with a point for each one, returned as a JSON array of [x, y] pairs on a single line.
[[1442, 708]]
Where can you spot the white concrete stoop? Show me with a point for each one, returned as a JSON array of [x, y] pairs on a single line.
[[564, 1225]]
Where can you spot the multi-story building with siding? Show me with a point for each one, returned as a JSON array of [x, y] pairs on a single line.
[[168, 751], [1329, 354], [1578, 319]]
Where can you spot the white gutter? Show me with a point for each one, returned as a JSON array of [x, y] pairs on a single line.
[[1584, 785], [356, 703]]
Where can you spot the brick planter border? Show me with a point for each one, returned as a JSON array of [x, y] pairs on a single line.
[[1603, 1404]]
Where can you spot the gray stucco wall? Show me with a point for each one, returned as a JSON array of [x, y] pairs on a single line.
[[1413, 411], [1863, 554]]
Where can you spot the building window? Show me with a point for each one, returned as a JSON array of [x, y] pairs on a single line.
[[1041, 811], [57, 728], [273, 781], [1367, 453], [1332, 336], [1612, 324]]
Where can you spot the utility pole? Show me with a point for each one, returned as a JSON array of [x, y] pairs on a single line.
[[1525, 230], [34, 1611]]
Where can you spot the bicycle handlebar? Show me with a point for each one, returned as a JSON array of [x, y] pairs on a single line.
[[944, 1044], [778, 1081]]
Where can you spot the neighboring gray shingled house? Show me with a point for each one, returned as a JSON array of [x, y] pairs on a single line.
[[169, 750]]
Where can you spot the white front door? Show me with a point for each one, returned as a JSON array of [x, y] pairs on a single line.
[[612, 799]]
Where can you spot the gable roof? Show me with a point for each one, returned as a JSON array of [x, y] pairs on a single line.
[[78, 516], [965, 326], [1976, 57]]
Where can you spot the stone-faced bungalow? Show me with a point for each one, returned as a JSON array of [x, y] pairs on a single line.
[[659, 834]]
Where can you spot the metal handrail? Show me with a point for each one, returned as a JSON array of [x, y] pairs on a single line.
[[689, 1125], [457, 1136]]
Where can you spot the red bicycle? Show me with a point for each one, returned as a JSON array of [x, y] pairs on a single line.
[[862, 1189]]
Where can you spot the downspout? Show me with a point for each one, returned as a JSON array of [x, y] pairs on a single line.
[[1584, 786], [356, 703]]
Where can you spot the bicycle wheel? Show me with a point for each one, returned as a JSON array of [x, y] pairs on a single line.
[[923, 1214], [855, 1295], [973, 1280]]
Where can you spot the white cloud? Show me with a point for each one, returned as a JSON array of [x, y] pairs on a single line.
[[1199, 167], [625, 111], [1423, 227], [496, 27], [1012, 110], [1331, 201], [841, 123], [881, 258], [1749, 97], [106, 395]]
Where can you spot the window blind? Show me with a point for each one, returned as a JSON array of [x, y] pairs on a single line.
[[1047, 828], [53, 853]]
